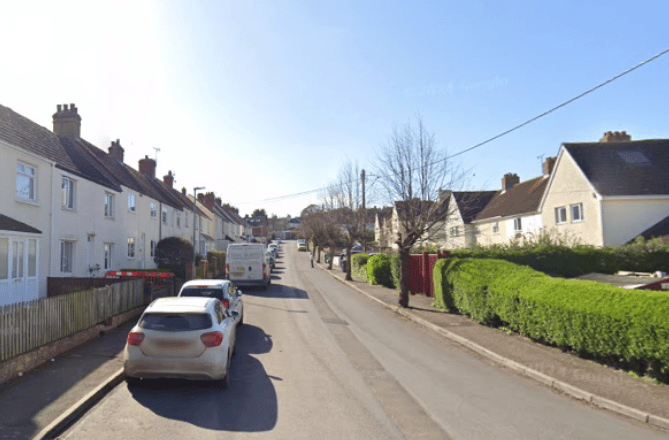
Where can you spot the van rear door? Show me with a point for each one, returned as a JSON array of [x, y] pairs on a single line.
[[246, 262]]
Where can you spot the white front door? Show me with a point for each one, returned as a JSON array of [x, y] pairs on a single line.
[[18, 270]]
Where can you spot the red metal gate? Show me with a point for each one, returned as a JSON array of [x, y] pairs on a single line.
[[420, 272]]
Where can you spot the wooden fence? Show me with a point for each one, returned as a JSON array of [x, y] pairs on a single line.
[[27, 326]]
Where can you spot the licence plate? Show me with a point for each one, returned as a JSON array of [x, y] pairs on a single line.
[[241, 269]]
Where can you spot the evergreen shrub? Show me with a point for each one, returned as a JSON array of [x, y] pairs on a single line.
[[628, 328], [379, 270]]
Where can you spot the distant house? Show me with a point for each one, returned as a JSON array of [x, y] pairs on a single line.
[[607, 193], [463, 208], [513, 213]]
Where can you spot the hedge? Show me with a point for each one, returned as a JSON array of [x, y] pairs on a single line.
[[379, 270], [359, 266], [625, 327]]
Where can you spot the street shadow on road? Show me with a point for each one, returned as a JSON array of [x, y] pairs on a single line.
[[277, 291], [250, 403]]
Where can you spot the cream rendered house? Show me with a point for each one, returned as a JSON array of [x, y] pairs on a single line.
[[514, 213], [463, 206], [607, 193]]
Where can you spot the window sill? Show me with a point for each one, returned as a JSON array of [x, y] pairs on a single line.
[[27, 202]]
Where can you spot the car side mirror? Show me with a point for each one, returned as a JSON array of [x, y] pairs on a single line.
[[239, 293]]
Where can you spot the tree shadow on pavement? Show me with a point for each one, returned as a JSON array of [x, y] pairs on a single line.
[[249, 405]]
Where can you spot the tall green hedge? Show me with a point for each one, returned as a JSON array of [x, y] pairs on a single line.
[[627, 327], [379, 270]]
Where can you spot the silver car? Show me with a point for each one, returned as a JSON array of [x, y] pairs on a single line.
[[188, 337], [224, 290]]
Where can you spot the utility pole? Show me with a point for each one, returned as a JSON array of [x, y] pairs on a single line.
[[364, 214], [195, 190]]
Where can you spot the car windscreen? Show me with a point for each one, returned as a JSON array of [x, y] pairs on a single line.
[[174, 322], [203, 291]]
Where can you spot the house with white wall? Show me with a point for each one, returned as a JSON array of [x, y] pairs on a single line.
[[607, 193], [514, 213], [463, 206]]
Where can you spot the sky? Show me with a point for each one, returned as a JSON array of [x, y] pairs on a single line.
[[264, 101]]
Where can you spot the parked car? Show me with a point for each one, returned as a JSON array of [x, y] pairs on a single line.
[[302, 247], [272, 260], [223, 290], [181, 337], [247, 264]]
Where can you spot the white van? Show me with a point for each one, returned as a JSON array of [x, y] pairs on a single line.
[[247, 264]]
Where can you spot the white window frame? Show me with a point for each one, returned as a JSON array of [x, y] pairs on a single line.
[[132, 203], [154, 210], [495, 227], [454, 231], [560, 215], [518, 224], [178, 219], [67, 261], [186, 220], [109, 205], [153, 248], [109, 256], [68, 192], [576, 212], [4, 258], [29, 173], [131, 248], [163, 215]]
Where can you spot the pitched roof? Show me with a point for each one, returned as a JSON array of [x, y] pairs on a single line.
[[10, 224], [629, 168], [521, 198], [24, 133], [471, 203]]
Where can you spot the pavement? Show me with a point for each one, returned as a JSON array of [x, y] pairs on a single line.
[[45, 400]]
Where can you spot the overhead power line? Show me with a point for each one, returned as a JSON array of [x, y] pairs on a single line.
[[563, 104], [480, 144]]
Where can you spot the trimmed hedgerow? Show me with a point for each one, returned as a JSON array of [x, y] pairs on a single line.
[[379, 270], [628, 328]]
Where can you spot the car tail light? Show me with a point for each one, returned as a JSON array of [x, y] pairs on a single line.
[[226, 303], [227, 271], [135, 338], [213, 339], [264, 269]]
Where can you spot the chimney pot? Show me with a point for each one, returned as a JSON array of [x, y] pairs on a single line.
[[509, 180], [66, 123]]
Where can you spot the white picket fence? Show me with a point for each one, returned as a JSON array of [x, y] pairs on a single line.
[[27, 326]]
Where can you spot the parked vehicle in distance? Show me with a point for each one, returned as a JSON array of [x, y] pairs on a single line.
[[302, 247], [272, 261], [247, 264], [223, 290], [181, 337]]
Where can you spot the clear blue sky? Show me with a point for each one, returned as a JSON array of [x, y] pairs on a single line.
[[261, 99]]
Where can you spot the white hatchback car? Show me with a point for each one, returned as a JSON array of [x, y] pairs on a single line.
[[189, 338], [224, 290]]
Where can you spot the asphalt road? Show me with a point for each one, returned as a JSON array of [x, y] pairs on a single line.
[[318, 360]]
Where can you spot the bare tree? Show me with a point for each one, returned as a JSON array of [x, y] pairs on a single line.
[[412, 172], [345, 197]]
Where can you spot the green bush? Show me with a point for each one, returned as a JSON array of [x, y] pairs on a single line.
[[571, 261], [379, 270], [359, 266], [216, 260], [626, 327], [395, 269]]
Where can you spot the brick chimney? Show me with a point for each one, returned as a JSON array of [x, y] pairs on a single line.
[[509, 180], [116, 151], [200, 198], [67, 122], [549, 163], [169, 179], [209, 200], [219, 201], [616, 136], [147, 166], [183, 190]]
